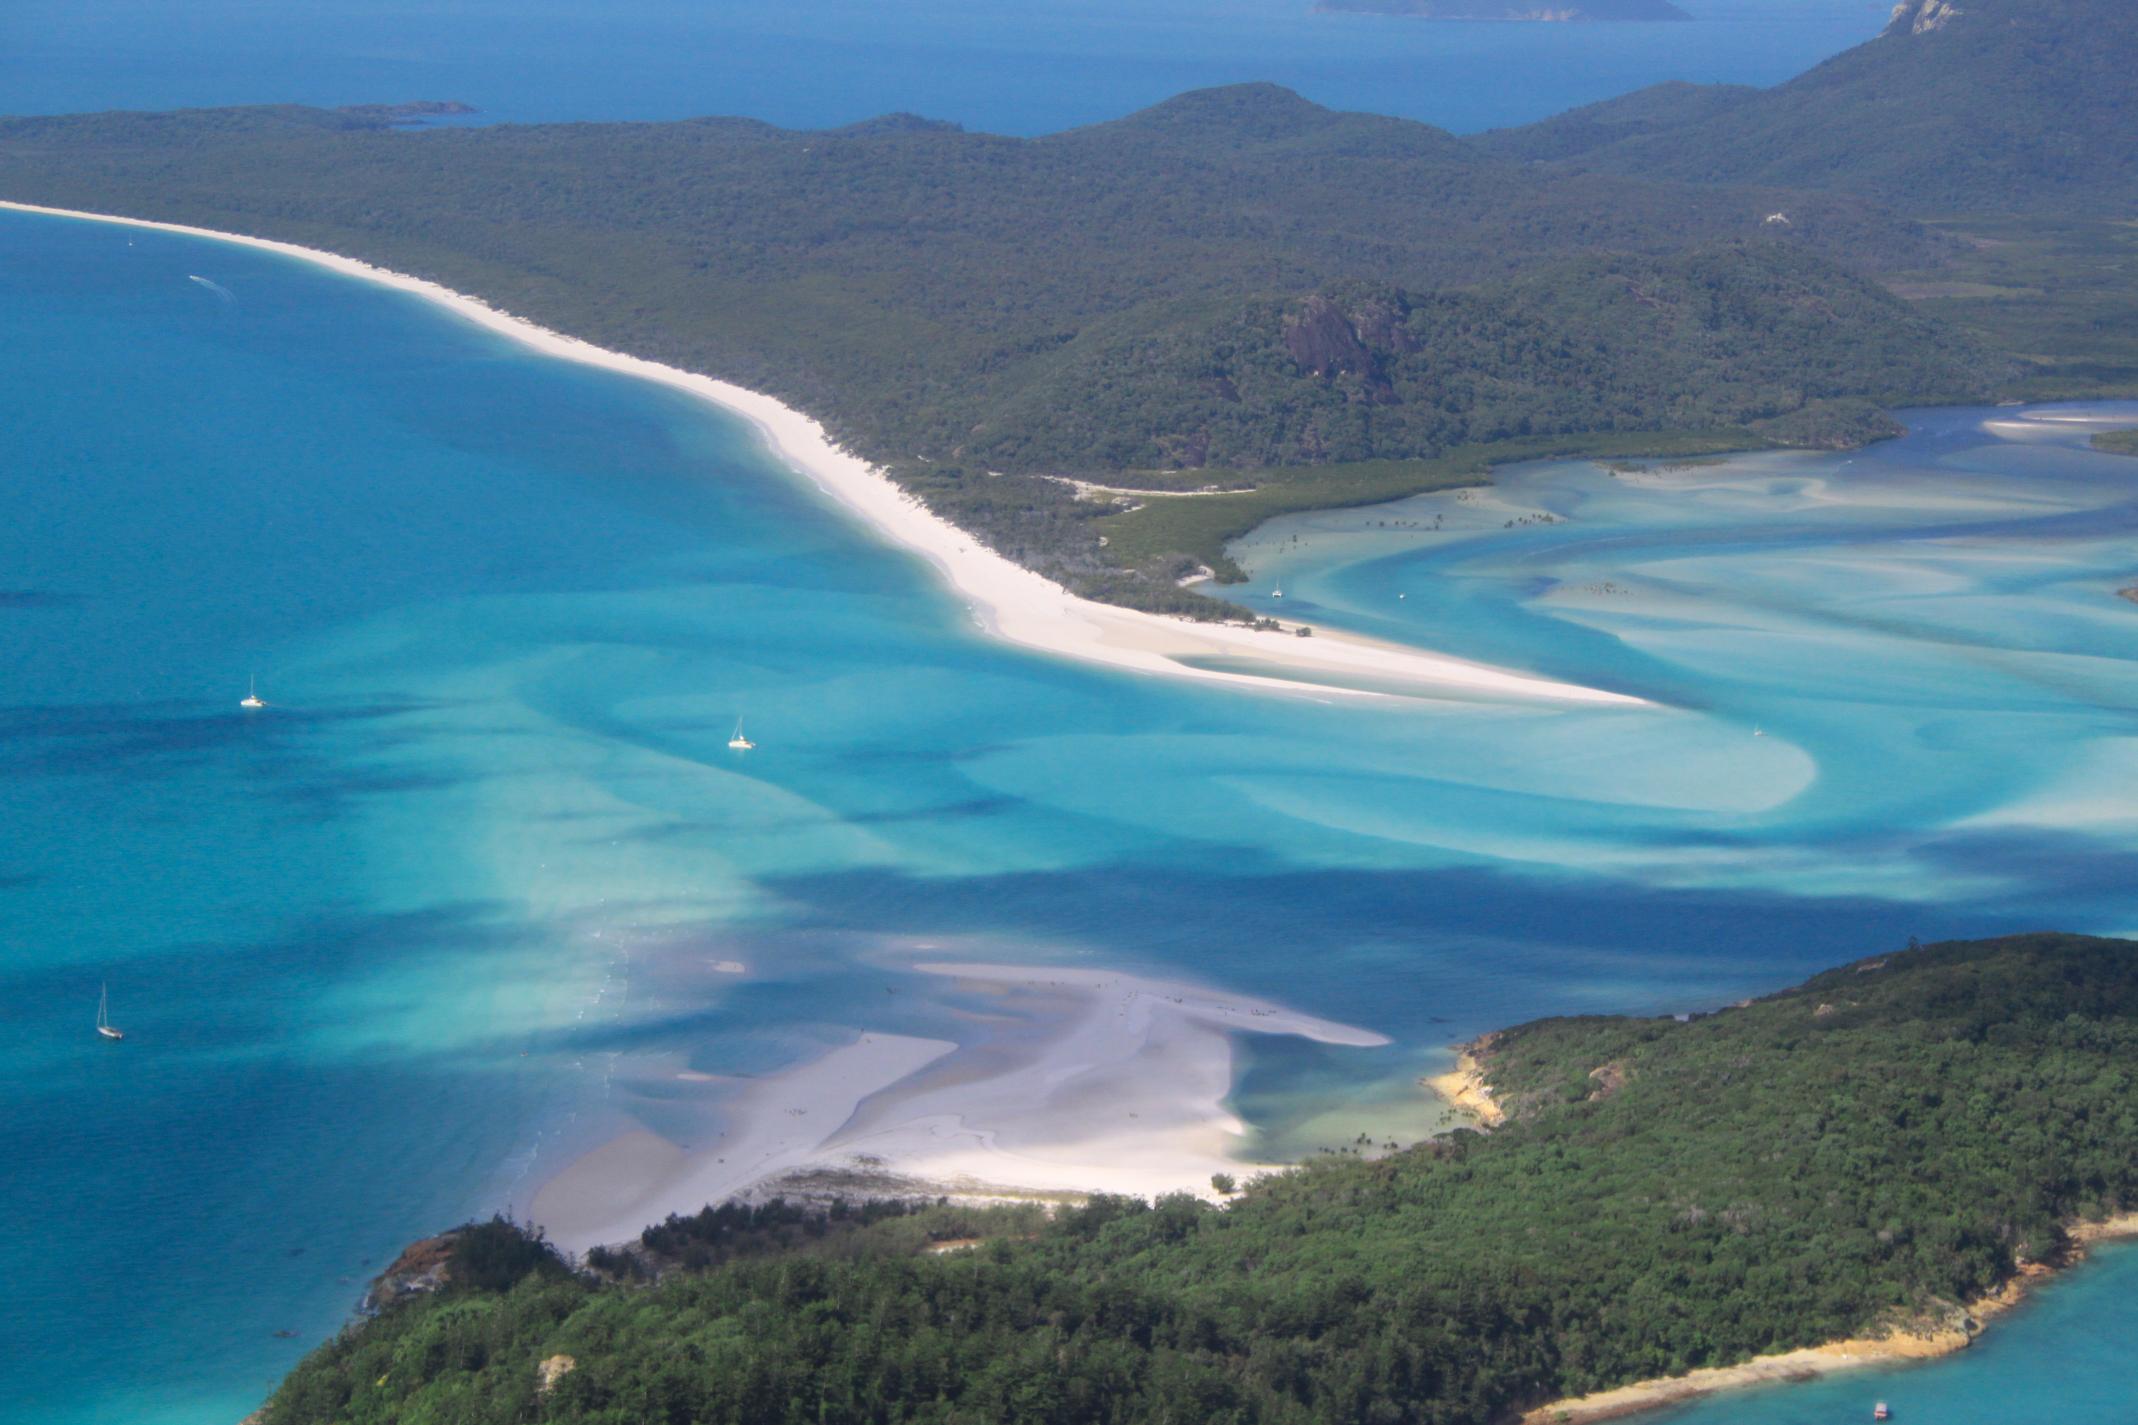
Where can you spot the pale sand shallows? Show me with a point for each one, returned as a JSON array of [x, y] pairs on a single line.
[[1006, 599], [1922, 1342], [776, 1125], [1090, 1081]]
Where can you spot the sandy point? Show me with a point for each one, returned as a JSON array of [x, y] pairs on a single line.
[[1077, 1081], [1007, 600]]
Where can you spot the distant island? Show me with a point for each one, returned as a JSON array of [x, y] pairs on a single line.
[[1874, 1163], [1553, 11]]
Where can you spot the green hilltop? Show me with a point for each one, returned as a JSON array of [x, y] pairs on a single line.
[[1961, 106], [1872, 1150]]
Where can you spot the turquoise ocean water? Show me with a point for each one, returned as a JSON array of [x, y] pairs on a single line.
[[393, 949]]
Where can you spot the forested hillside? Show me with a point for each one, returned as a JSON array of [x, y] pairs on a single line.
[[1747, 333], [1871, 1149], [1961, 106], [1236, 278]]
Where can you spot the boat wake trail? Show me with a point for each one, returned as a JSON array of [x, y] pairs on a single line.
[[216, 287]]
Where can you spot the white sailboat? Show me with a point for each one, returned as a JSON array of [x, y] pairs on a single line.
[[104, 1014], [738, 741], [1278, 592], [251, 700]]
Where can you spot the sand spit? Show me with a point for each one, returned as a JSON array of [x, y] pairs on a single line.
[[776, 1125], [1925, 1340], [1083, 1081], [1006, 599]]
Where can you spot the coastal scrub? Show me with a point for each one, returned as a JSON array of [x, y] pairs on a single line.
[[1889, 1144]]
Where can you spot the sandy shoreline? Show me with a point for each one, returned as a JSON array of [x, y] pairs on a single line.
[[1079, 1081], [1006, 599], [1925, 1342], [1466, 1087]]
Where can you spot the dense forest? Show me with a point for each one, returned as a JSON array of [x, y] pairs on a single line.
[[1983, 106], [1871, 1149], [1236, 280]]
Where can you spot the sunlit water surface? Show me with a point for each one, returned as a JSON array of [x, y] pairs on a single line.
[[394, 948]]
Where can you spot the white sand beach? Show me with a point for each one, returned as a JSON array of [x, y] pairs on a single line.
[[1082, 1081], [1006, 599], [776, 1125]]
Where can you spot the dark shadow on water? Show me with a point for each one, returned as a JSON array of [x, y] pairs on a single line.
[[283, 756], [2053, 864], [241, 997], [1435, 955], [693, 831], [36, 599], [87, 737]]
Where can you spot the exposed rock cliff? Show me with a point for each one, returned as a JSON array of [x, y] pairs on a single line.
[[421, 1268], [1920, 17]]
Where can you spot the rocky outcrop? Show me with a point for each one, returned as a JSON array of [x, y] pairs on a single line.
[[1325, 338], [422, 1268], [1322, 340], [552, 1370], [1466, 1087], [1920, 17]]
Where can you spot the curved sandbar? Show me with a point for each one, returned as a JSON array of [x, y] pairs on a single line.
[[1083, 1081], [1007, 600]]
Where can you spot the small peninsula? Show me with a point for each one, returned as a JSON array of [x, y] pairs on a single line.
[[1549, 11], [1879, 1157]]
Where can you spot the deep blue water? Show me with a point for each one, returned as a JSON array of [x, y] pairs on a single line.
[[1020, 68], [388, 953]]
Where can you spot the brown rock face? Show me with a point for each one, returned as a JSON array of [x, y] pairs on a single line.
[[1329, 341], [420, 1269], [1920, 17], [1321, 339]]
